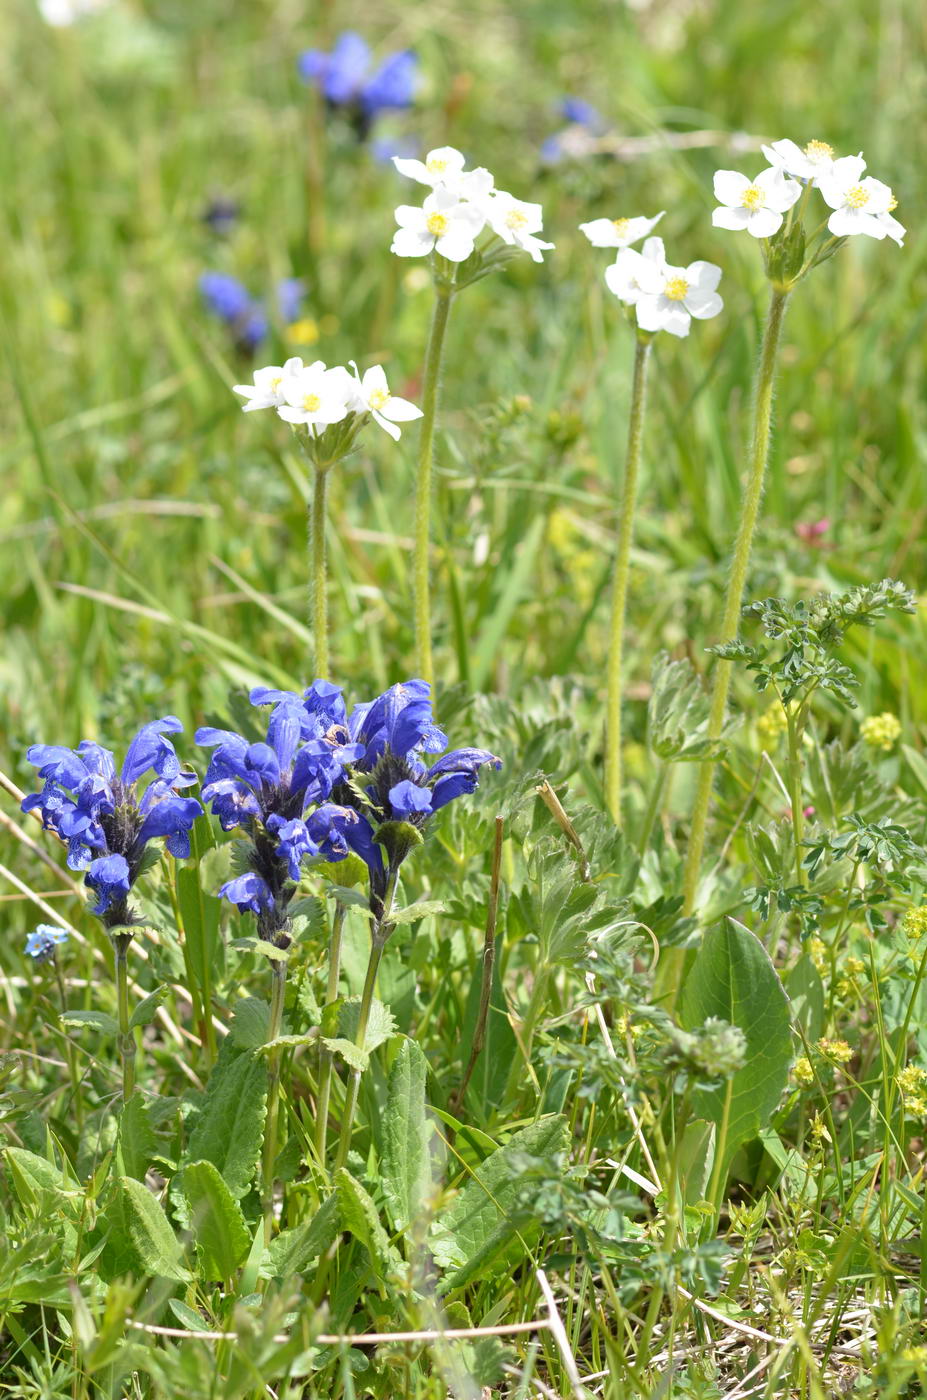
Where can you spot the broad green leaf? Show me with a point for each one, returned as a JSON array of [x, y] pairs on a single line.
[[199, 912], [137, 1142], [294, 1250], [806, 993], [406, 1165], [33, 1176], [380, 1023], [218, 1225], [476, 1234], [230, 1127], [147, 1008], [420, 910], [733, 978], [154, 1243], [100, 1019], [250, 1023], [349, 1052], [360, 1217]]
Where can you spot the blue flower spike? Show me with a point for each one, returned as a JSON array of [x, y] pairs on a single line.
[[345, 80]]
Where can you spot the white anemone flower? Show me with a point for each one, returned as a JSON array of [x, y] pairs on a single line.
[[443, 166], [317, 396], [619, 233], [806, 162], [684, 292], [635, 274], [267, 389], [444, 223], [860, 204], [372, 395], [516, 223], [756, 205]]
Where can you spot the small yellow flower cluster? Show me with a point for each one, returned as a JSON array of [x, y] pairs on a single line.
[[914, 923], [916, 1354], [817, 952], [771, 724], [836, 1050], [912, 1081], [802, 1072], [819, 1129], [853, 970], [881, 731]]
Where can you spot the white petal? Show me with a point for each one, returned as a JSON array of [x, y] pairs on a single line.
[[400, 410], [844, 223], [654, 251], [677, 320], [621, 283], [880, 196], [291, 415], [255, 404], [729, 186], [247, 391], [893, 228], [788, 155], [412, 243], [704, 275], [703, 304], [780, 193], [386, 425], [848, 170], [410, 216], [451, 158], [650, 313], [456, 244], [374, 379], [730, 218], [602, 233], [763, 223], [476, 184], [413, 169]]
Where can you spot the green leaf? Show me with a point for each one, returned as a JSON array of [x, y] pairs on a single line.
[[33, 1176], [476, 1234], [806, 993], [732, 978], [360, 1217], [154, 1243], [147, 1008], [419, 910], [380, 1023], [218, 1225], [500, 1048], [349, 1052], [230, 1127], [100, 1019], [406, 1165], [137, 1142], [677, 714], [250, 1023], [199, 913], [294, 1250]]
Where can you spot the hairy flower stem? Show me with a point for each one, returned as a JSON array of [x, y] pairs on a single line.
[[327, 1058], [319, 574], [795, 794], [759, 451], [277, 995], [127, 1050], [379, 936], [620, 580], [421, 570]]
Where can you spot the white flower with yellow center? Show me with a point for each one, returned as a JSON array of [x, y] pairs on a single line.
[[806, 162], [860, 204], [444, 223], [672, 296], [619, 233], [317, 396], [756, 205], [635, 274], [443, 166], [372, 395], [516, 223], [267, 391]]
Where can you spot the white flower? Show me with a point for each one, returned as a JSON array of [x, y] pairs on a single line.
[[317, 396], [808, 163], [619, 233], [756, 205], [60, 14], [443, 166], [443, 223], [516, 223], [372, 395], [860, 204], [633, 274], [268, 388]]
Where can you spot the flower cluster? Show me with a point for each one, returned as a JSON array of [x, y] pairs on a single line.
[[462, 203], [246, 316], [102, 816], [881, 731], [41, 943], [345, 80], [317, 397], [664, 297], [327, 784], [859, 203]]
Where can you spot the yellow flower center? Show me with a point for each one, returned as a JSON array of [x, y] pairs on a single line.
[[818, 151], [753, 197], [515, 219], [275, 383], [379, 399], [676, 289], [437, 224], [621, 226], [312, 403], [435, 165], [857, 197], [892, 204]]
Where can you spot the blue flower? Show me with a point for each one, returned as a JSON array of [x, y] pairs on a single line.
[[221, 214], [101, 816], [40, 944], [226, 296], [578, 110], [290, 293], [342, 78]]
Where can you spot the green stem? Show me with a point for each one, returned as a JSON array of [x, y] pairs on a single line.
[[759, 451], [126, 1036], [795, 794], [421, 572], [319, 581], [277, 996], [620, 581], [379, 937], [654, 803], [327, 1061]]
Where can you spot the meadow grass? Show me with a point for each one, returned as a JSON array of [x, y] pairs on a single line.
[[154, 561]]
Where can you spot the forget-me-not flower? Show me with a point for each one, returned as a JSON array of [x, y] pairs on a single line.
[[41, 943]]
